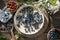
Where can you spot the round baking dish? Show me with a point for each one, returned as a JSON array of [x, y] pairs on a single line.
[[42, 26]]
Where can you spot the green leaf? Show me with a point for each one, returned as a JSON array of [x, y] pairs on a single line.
[[53, 2], [19, 3]]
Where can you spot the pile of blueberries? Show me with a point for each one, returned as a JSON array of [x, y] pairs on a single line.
[[9, 26], [32, 19], [54, 35]]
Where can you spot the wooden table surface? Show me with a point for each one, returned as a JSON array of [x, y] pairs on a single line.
[[56, 23]]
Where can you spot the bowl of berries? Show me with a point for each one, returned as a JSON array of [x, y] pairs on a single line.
[[54, 34], [12, 6], [30, 21]]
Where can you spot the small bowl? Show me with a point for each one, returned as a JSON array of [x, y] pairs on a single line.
[[51, 30], [12, 6]]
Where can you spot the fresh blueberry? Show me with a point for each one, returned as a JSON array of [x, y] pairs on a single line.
[[19, 17], [30, 16], [9, 26]]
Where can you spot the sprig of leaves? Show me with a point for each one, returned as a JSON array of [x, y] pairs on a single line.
[[47, 4], [20, 36], [53, 2]]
